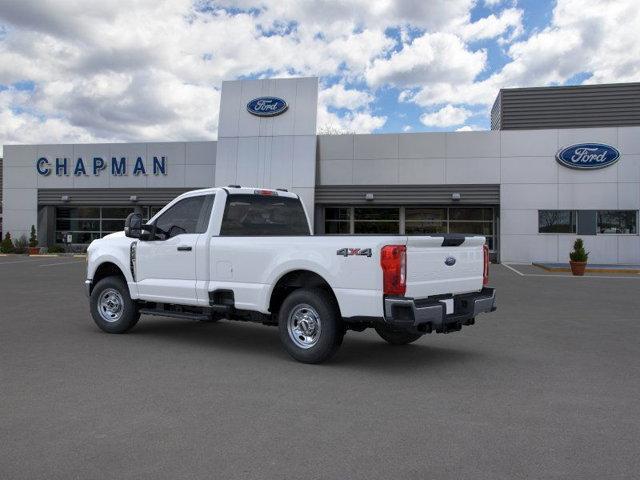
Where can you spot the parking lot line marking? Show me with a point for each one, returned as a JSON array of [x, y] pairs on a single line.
[[17, 261], [60, 263], [513, 269]]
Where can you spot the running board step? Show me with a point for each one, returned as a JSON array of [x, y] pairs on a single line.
[[169, 313]]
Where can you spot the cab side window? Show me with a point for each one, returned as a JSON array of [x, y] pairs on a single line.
[[190, 215]]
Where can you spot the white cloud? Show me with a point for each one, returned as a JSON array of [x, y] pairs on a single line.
[[407, 128], [583, 37], [469, 128], [509, 20], [331, 16], [447, 116], [432, 57], [358, 118], [151, 69], [338, 96], [351, 122]]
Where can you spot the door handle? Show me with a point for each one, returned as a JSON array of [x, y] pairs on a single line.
[[184, 248]]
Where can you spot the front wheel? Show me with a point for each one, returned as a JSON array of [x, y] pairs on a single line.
[[310, 326], [396, 337], [111, 306]]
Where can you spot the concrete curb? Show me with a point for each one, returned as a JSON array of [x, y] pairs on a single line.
[[588, 269]]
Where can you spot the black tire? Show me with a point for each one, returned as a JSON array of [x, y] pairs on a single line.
[[311, 302], [126, 316], [396, 337]]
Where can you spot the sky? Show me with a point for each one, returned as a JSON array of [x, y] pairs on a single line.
[[75, 71]]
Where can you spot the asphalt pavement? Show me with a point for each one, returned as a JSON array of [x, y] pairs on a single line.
[[546, 387]]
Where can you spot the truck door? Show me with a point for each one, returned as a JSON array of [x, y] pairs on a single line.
[[166, 264]]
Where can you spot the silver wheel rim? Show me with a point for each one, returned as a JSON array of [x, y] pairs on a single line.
[[110, 305], [304, 326]]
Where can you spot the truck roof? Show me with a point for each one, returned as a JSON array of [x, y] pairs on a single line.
[[242, 190]]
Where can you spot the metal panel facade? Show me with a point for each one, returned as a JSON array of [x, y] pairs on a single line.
[[116, 167], [567, 107], [408, 194], [269, 151], [108, 196]]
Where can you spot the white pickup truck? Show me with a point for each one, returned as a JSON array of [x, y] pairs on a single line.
[[248, 254]]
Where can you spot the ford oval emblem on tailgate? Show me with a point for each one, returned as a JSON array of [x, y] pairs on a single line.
[[450, 261]]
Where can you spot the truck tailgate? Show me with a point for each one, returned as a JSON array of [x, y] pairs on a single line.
[[444, 265]]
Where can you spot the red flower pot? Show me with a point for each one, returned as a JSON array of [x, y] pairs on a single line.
[[578, 268]]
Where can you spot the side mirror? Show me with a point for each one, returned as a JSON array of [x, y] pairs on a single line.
[[133, 225], [148, 232]]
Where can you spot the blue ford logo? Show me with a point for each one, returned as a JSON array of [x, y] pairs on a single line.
[[267, 106], [588, 156], [450, 261]]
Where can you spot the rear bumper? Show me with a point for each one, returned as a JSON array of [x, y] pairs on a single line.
[[429, 314]]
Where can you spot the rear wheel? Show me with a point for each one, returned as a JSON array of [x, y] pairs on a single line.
[[309, 325], [111, 306], [396, 337]]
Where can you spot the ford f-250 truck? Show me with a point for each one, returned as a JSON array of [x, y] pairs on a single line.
[[248, 254]]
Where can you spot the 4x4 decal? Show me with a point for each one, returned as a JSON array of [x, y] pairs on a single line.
[[347, 252]]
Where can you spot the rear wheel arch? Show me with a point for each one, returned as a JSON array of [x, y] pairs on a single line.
[[294, 280]]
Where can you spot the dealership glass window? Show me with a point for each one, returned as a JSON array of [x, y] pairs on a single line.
[[618, 221], [556, 221], [423, 221], [472, 220], [368, 220], [471, 214], [337, 220], [416, 220], [86, 224]]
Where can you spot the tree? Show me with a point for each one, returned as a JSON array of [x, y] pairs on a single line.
[[333, 129], [579, 254], [33, 238], [7, 244]]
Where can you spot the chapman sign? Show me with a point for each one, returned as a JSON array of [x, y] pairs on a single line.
[[588, 156], [96, 165], [267, 106]]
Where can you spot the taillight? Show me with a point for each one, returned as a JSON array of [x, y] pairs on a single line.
[[393, 259], [485, 272]]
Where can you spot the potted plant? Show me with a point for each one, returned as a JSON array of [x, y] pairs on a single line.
[[578, 258], [33, 242], [7, 244]]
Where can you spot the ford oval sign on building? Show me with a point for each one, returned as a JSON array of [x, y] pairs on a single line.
[[267, 106], [588, 156]]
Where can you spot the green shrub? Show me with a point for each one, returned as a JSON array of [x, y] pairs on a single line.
[[55, 249], [7, 245], [579, 254], [33, 238], [21, 244]]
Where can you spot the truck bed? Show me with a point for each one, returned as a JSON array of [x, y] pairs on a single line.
[[350, 264]]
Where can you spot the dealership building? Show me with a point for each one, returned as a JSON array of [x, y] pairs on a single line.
[[559, 162]]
